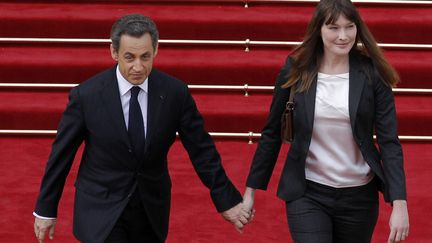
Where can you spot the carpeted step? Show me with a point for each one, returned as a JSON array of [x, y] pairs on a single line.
[[193, 217], [194, 64], [211, 20], [42, 110]]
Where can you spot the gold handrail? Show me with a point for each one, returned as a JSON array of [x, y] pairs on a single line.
[[357, 2], [247, 42], [245, 88], [354, 1], [246, 2], [249, 135]]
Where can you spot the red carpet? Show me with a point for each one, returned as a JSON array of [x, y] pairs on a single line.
[[261, 21], [193, 217], [239, 113], [227, 65]]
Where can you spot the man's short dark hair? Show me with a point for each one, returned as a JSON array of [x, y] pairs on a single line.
[[135, 25]]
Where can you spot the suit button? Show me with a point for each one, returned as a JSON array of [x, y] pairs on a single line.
[[130, 150], [129, 195]]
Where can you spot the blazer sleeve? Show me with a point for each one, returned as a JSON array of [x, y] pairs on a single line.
[[388, 141], [269, 145], [204, 156], [68, 139]]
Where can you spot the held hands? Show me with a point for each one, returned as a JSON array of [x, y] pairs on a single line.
[[42, 227], [237, 216], [399, 222], [242, 213]]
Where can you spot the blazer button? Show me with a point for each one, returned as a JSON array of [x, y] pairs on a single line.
[[130, 150]]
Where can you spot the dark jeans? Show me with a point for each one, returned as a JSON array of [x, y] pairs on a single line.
[[334, 215], [133, 225]]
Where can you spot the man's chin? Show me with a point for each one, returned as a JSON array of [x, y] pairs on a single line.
[[136, 81]]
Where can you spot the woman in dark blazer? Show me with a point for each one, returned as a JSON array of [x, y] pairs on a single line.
[[333, 170]]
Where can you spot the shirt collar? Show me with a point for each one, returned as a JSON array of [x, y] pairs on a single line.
[[125, 86]]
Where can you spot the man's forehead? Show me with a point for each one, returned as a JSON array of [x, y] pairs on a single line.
[[131, 43]]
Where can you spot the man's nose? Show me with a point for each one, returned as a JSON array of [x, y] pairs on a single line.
[[137, 66]]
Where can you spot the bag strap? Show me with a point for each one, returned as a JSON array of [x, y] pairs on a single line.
[[290, 102]]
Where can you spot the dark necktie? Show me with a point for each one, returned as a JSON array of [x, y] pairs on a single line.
[[136, 123]]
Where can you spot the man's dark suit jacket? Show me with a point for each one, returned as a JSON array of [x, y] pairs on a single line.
[[109, 171], [371, 106]]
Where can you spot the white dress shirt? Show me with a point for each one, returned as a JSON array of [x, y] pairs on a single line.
[[125, 94], [334, 158]]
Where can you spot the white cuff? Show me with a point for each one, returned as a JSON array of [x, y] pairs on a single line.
[[41, 217]]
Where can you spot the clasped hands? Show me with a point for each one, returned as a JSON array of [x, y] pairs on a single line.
[[243, 213]]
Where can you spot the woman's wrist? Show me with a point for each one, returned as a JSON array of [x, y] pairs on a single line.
[[249, 192], [399, 203]]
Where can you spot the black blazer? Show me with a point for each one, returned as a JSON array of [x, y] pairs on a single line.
[[109, 171], [371, 107]]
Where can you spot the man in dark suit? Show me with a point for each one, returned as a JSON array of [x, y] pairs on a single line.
[[128, 117]]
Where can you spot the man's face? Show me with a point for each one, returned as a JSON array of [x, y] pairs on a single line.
[[135, 57]]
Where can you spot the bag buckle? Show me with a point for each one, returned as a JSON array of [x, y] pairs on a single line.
[[290, 105]]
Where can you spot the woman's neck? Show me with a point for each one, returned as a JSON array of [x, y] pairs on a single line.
[[334, 64]]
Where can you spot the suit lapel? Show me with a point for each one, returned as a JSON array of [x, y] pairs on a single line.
[[309, 97], [111, 98], [356, 84], [156, 97]]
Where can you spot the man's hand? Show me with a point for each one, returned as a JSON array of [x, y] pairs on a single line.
[[237, 216], [44, 226], [399, 222]]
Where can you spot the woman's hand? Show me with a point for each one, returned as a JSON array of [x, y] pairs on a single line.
[[399, 222], [248, 202]]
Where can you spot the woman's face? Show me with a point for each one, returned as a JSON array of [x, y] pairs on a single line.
[[338, 38]]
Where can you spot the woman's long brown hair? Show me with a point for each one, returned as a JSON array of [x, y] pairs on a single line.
[[309, 55]]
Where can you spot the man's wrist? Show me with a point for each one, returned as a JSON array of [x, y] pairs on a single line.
[[42, 217]]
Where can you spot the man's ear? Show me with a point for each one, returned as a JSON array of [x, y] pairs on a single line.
[[114, 53], [156, 50]]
